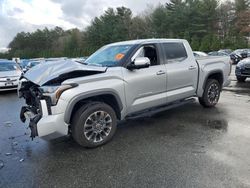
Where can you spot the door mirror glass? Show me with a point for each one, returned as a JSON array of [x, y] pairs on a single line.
[[139, 63]]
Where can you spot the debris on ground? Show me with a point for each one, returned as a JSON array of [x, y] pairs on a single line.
[[18, 136], [21, 160], [1, 164], [198, 152], [199, 145], [8, 154], [8, 123], [14, 143]]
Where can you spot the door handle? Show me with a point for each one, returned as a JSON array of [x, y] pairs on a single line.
[[161, 72], [191, 68]]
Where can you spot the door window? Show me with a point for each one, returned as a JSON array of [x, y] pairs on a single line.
[[174, 51], [148, 51]]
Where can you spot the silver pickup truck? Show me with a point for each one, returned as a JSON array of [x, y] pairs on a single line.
[[119, 81]]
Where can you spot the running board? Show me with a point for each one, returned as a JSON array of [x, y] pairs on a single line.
[[156, 110]]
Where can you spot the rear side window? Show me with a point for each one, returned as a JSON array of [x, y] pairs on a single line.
[[174, 51]]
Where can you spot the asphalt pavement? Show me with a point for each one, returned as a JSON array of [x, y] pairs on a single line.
[[189, 146]]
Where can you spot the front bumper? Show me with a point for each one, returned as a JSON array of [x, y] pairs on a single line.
[[42, 124], [6, 86], [244, 72]]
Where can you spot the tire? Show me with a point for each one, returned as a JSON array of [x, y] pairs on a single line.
[[94, 124], [211, 94], [241, 79]]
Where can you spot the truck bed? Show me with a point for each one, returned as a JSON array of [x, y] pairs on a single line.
[[213, 64], [212, 59]]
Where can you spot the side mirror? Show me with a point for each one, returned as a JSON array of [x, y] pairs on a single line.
[[139, 63]]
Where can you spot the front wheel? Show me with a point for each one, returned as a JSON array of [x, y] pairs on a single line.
[[241, 79], [211, 94], [94, 124]]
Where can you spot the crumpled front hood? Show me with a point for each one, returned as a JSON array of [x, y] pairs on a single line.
[[48, 71]]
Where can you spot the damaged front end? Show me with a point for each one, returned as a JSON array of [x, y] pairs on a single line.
[[32, 112], [42, 87], [40, 101]]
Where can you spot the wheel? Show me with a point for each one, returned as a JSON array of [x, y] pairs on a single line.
[[211, 93], [241, 79], [94, 124]]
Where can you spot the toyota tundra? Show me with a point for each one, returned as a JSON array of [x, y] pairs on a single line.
[[119, 81]]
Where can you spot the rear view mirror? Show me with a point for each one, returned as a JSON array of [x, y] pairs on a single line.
[[139, 63]]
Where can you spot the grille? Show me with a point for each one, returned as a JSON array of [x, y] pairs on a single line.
[[246, 71], [8, 87], [8, 80], [247, 66]]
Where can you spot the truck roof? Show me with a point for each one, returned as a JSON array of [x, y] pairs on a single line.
[[146, 41]]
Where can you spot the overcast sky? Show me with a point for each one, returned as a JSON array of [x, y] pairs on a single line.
[[28, 15]]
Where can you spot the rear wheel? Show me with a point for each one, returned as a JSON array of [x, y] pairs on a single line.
[[211, 94], [94, 124], [241, 79]]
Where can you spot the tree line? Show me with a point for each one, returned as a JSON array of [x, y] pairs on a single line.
[[207, 24]]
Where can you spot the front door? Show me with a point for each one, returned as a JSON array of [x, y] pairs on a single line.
[[146, 87]]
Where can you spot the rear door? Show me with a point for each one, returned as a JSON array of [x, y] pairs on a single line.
[[182, 70], [146, 87]]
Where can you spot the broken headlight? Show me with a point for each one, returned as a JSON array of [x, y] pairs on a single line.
[[54, 92]]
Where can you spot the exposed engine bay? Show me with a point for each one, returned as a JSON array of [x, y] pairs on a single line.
[[43, 84]]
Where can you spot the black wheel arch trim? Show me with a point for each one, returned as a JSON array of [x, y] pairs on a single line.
[[83, 96], [211, 73]]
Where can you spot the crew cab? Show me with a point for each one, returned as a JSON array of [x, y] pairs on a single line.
[[121, 80]]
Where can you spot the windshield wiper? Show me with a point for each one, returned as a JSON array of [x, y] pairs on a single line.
[[83, 63], [95, 64]]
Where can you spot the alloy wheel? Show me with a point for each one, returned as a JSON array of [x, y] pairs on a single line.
[[97, 126]]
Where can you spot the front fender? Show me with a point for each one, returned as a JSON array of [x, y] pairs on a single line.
[[83, 96]]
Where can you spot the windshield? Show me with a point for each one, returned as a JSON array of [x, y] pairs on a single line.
[[240, 51], [199, 54], [227, 51], [108, 56], [24, 63], [7, 67]]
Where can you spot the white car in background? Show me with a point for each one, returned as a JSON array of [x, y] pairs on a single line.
[[199, 54], [10, 73]]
